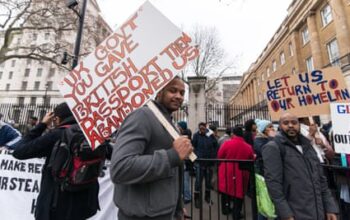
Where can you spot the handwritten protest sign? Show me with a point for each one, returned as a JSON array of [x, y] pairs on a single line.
[[19, 186], [126, 70], [306, 94], [340, 113]]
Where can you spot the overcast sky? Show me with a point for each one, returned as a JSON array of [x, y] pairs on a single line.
[[244, 26]]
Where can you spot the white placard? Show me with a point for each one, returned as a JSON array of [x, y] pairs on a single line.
[[126, 70], [340, 113]]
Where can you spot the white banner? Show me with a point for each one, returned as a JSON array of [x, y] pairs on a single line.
[[125, 71], [20, 185], [340, 113]]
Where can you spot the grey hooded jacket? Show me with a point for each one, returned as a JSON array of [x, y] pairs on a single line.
[[295, 180]]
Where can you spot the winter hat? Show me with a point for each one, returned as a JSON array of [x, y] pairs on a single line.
[[182, 125], [62, 111], [262, 124]]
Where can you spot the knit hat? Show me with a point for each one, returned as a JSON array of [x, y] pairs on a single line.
[[62, 111], [182, 124], [262, 124]]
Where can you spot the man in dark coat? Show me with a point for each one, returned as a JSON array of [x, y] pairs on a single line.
[[52, 202], [294, 175]]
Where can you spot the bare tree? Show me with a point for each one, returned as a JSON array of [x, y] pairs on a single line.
[[211, 61], [30, 17]]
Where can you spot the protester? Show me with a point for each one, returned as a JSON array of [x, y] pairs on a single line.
[[188, 169], [294, 177], [233, 182], [319, 142], [52, 202], [249, 131], [225, 137], [31, 124], [205, 146], [146, 165], [9, 136], [265, 133]]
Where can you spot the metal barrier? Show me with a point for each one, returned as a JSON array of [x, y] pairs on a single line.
[[337, 176], [208, 202]]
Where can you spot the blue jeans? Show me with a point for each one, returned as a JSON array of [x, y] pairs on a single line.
[[187, 187]]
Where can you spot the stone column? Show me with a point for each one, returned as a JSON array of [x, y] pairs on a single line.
[[341, 26], [295, 40], [197, 102], [314, 41]]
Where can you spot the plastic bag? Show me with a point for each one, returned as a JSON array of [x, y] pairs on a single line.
[[265, 205]]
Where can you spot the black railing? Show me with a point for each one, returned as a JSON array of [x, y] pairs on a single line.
[[207, 201], [341, 61], [18, 114], [223, 115]]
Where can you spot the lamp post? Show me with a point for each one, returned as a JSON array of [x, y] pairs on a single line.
[[71, 4], [45, 95]]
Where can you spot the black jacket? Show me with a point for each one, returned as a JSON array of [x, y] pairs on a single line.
[[70, 206], [295, 180]]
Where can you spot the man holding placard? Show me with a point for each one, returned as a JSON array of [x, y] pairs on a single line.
[[146, 164]]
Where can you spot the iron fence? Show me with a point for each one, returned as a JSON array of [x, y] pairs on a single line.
[[18, 114], [223, 115], [206, 201]]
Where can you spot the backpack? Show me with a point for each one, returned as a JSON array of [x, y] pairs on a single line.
[[74, 165]]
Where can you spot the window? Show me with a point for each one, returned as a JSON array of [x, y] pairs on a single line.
[[41, 62], [7, 86], [24, 85], [10, 75], [282, 58], [13, 63], [40, 72], [19, 40], [326, 14], [35, 36], [20, 100], [291, 53], [26, 72], [305, 35], [52, 72], [274, 66], [47, 35], [33, 101], [268, 71], [262, 77], [0, 75], [29, 61], [333, 52], [36, 85], [49, 85], [309, 64]]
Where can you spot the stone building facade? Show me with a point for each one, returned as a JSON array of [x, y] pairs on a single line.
[[315, 34]]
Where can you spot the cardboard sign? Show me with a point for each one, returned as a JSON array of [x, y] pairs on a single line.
[[306, 94], [126, 70], [340, 113]]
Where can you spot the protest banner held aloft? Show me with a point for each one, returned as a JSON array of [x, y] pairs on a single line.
[[306, 94], [126, 70]]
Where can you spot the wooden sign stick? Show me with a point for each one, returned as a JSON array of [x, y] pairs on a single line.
[[174, 134]]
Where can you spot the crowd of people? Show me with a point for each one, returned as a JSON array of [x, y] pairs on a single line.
[[151, 171]]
